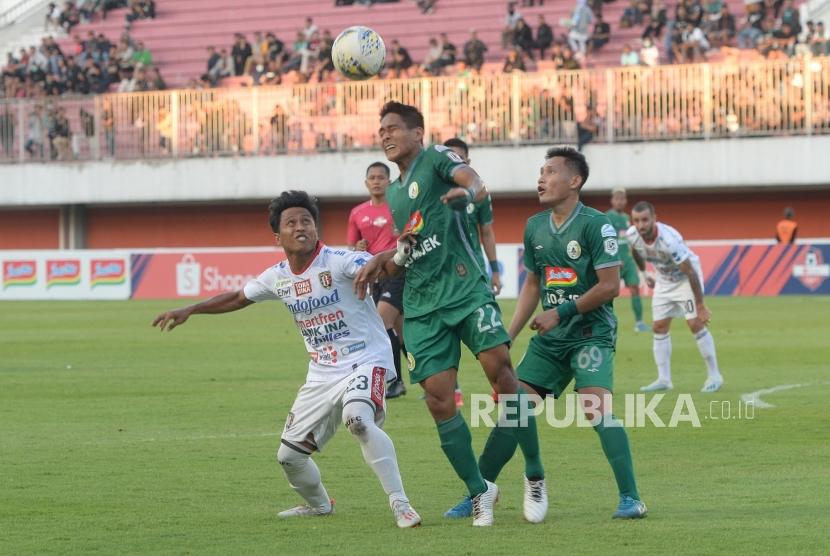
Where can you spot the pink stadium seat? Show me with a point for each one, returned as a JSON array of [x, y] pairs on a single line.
[[183, 29]]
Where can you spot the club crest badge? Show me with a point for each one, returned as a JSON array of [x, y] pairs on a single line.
[[325, 279], [574, 249]]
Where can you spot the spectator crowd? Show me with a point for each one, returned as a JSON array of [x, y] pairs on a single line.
[[687, 31], [92, 65]]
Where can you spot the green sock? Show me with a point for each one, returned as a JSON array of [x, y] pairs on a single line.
[[529, 440], [457, 444], [637, 305], [500, 447], [614, 442], [502, 442]]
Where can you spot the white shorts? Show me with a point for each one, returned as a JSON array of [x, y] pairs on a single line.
[[673, 300], [318, 407]]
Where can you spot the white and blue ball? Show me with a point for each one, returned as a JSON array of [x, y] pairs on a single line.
[[358, 53]]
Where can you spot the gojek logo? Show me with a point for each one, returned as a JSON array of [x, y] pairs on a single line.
[[107, 272], [415, 223], [65, 272], [19, 273]]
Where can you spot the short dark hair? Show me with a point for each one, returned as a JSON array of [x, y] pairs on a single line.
[[456, 142], [378, 165], [410, 115], [291, 199], [643, 206], [574, 160]]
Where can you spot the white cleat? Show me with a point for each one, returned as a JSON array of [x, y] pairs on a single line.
[[405, 515], [483, 505], [536, 500], [657, 386], [712, 385], [308, 511]]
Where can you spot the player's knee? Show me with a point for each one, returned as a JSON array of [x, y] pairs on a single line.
[[356, 426], [506, 382], [660, 327], [441, 407], [358, 418], [287, 456], [695, 325]]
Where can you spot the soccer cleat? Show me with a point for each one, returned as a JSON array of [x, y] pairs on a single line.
[[536, 500], [459, 398], [712, 385], [657, 386], [630, 508], [396, 389], [640, 326], [405, 515], [483, 505], [460, 510], [308, 511]]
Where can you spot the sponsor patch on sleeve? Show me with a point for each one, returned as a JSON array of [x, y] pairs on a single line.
[[608, 231], [610, 245]]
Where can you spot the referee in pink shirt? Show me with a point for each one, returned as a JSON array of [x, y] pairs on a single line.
[[370, 229]]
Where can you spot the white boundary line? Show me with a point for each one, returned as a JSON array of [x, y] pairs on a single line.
[[754, 398]]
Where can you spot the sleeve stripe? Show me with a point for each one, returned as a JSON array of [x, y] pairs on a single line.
[[607, 265]]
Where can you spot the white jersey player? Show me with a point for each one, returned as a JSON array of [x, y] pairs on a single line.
[[349, 350], [678, 292]]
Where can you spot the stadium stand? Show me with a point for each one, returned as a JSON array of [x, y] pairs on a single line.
[[183, 29]]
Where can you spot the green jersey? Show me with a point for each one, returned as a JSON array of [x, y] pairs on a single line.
[[566, 260], [443, 270], [621, 223], [479, 214]]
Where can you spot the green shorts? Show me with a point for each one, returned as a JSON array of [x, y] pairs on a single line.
[[629, 273], [433, 341], [550, 368]]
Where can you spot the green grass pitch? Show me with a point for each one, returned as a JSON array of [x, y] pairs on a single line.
[[117, 439]]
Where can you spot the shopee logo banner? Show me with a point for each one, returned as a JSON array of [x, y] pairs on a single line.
[[197, 273]]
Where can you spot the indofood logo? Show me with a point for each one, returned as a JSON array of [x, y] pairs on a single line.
[[307, 306]]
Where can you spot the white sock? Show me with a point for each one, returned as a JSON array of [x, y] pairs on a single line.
[[706, 345], [304, 477], [662, 356], [377, 447]]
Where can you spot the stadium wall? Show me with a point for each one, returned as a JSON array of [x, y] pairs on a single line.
[[698, 216], [791, 162]]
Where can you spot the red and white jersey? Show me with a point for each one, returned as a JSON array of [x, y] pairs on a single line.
[[340, 331], [666, 253], [374, 224]]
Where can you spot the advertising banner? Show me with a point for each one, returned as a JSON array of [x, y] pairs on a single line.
[[729, 268], [196, 273], [65, 275]]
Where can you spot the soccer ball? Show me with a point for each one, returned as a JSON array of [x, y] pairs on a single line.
[[358, 53]]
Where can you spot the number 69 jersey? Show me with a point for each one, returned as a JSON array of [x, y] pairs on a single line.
[[340, 331]]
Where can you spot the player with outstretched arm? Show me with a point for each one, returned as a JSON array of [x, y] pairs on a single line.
[[351, 357]]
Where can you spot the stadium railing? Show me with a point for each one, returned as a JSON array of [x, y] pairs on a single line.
[[698, 101]]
